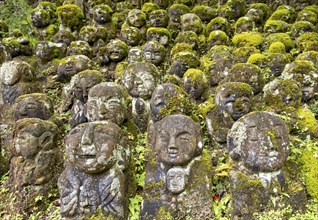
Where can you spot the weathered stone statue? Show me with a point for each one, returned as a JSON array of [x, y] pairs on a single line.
[[36, 160], [83, 82], [136, 18], [102, 16], [232, 101], [158, 18], [17, 79], [93, 178], [140, 79], [183, 61], [177, 180], [154, 52], [166, 99], [107, 101], [131, 36], [258, 145], [34, 105]]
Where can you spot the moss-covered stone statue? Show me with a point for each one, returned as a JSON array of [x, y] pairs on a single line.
[[131, 36], [18, 78], [83, 82], [35, 163], [168, 99], [183, 61], [80, 47], [258, 145], [71, 17], [93, 179], [196, 84], [175, 12], [162, 35], [108, 101], [158, 18], [34, 105], [177, 182], [140, 79], [232, 101], [136, 18], [102, 16], [155, 53]]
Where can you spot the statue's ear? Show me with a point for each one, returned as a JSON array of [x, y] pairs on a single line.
[[46, 140]]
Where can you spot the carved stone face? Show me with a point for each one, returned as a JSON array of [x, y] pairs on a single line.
[[136, 18], [44, 51], [140, 79], [154, 52], [183, 61], [84, 81], [158, 18], [177, 140], [260, 140], [80, 47], [13, 72], [101, 15], [234, 98], [195, 83], [107, 101], [117, 50], [71, 65], [191, 22], [35, 105], [32, 135], [176, 180], [134, 55], [64, 36], [158, 35], [90, 147], [161, 96], [131, 36], [26, 144]]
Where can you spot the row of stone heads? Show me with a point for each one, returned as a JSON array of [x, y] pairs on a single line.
[[98, 155]]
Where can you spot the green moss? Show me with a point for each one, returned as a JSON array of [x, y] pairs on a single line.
[[189, 37], [276, 26], [307, 121], [257, 58], [190, 59], [204, 12], [50, 31], [149, 7], [262, 6], [164, 214], [248, 39], [282, 15], [217, 38], [179, 47], [70, 15], [309, 159], [301, 27], [280, 37], [277, 47], [218, 23], [313, 8], [306, 15], [241, 54], [161, 31]]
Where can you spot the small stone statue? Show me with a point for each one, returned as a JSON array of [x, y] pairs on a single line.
[[93, 178], [34, 105], [172, 182], [107, 101], [36, 160], [17, 79], [140, 79], [154, 52], [232, 101], [83, 82], [258, 145]]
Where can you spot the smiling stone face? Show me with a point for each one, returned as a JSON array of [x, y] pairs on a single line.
[[140, 79], [234, 98], [107, 101], [177, 140], [91, 147], [176, 180], [260, 140]]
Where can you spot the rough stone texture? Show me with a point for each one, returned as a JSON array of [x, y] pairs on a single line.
[[93, 178]]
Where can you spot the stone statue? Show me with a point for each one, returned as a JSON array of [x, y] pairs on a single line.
[[34, 105], [17, 79], [140, 79], [172, 186], [107, 101], [36, 160], [232, 101], [154, 52], [258, 145], [83, 82], [93, 178]]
